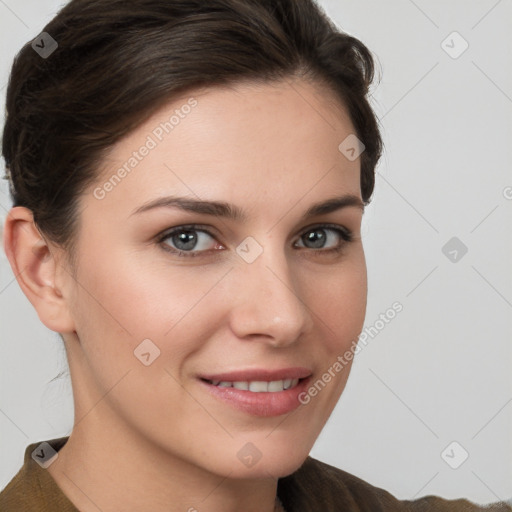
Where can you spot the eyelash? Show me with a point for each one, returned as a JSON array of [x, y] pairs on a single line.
[[344, 233]]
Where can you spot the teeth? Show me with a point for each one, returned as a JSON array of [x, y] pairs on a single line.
[[275, 385], [258, 386]]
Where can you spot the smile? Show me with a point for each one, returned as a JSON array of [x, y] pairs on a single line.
[[259, 392], [257, 386]]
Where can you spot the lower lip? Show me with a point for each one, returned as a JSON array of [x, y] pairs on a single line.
[[262, 403]]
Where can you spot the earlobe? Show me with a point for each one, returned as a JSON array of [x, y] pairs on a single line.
[[35, 267]]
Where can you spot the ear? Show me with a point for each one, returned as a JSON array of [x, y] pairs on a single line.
[[38, 269]]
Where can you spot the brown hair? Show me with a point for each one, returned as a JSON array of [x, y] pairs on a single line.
[[117, 62]]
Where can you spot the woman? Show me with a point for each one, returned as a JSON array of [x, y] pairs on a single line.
[[188, 181]]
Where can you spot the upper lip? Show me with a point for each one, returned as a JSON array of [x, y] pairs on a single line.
[[264, 375]]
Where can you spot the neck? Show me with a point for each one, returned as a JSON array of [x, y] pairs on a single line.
[[108, 465], [113, 469]]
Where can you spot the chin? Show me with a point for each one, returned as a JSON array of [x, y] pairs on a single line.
[[269, 469], [269, 457]]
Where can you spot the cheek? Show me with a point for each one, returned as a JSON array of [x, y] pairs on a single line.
[[339, 304], [126, 300], [338, 300]]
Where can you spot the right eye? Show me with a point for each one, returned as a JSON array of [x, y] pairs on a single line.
[[189, 241]]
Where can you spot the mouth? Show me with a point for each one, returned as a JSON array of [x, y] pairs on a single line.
[[259, 393], [257, 386]]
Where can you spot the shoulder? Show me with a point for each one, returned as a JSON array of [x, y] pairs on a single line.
[[319, 486], [32, 488]]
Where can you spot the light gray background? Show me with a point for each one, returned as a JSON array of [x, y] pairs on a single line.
[[440, 371]]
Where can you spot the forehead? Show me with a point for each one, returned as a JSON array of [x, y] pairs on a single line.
[[278, 139]]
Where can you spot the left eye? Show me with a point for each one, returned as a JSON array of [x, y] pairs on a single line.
[[324, 237]]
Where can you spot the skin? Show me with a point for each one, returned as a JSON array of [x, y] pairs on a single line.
[[151, 437]]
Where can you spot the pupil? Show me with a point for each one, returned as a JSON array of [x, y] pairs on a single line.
[[317, 238], [188, 240]]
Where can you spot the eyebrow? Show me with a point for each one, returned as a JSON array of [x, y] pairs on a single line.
[[232, 212]]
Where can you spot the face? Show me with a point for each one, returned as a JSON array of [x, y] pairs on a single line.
[[241, 282]]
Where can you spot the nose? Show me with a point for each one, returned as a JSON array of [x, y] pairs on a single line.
[[267, 302]]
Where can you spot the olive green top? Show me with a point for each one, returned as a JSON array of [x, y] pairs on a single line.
[[314, 487]]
